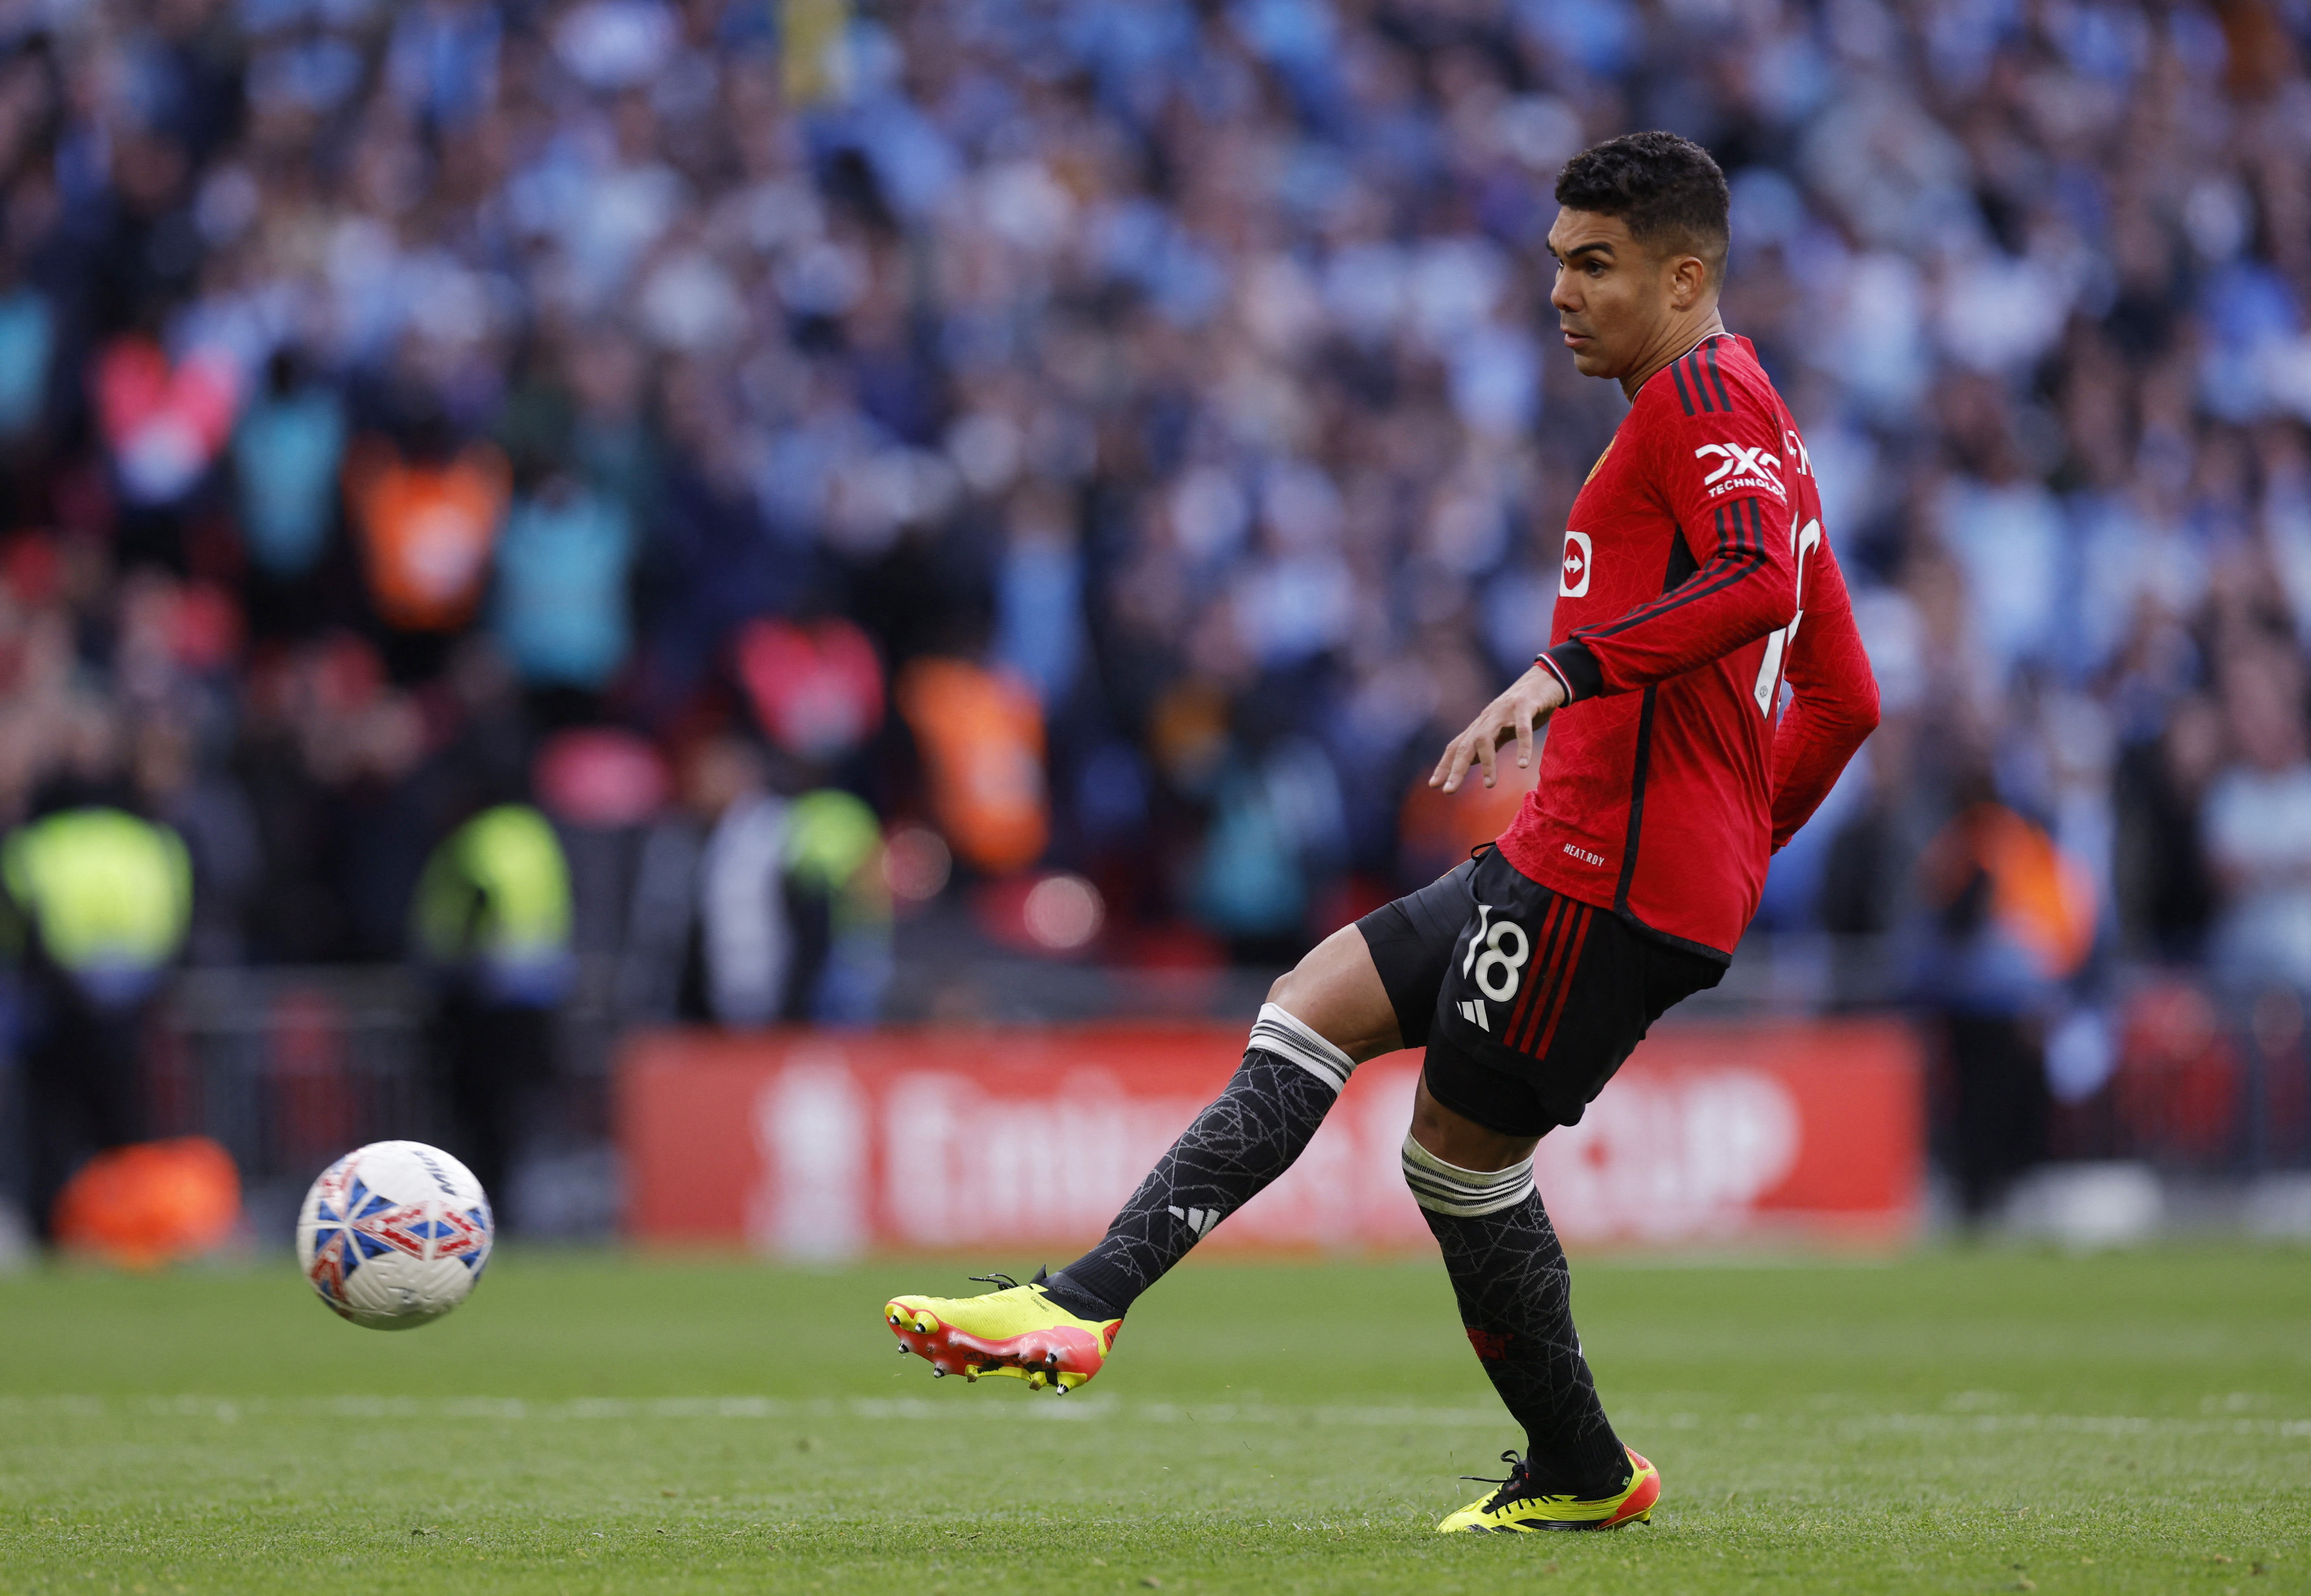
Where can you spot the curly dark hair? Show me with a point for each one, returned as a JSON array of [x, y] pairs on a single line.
[[1666, 189]]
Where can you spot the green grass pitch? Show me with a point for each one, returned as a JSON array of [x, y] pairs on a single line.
[[1952, 1422]]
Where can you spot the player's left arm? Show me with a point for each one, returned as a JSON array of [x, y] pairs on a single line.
[[1721, 476], [1833, 699]]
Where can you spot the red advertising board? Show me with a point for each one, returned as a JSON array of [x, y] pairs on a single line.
[[826, 1143]]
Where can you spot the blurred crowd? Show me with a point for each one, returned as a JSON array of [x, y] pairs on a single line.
[[1124, 437]]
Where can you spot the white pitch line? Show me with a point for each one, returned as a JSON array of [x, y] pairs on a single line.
[[1079, 1410]]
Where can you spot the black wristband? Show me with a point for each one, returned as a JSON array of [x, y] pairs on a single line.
[[1576, 667]]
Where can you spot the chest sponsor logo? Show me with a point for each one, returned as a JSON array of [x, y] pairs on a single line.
[[1740, 466], [1578, 559]]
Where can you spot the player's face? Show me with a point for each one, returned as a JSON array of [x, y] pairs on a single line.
[[1613, 295]]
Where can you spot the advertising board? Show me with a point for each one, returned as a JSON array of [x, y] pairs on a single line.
[[826, 1144]]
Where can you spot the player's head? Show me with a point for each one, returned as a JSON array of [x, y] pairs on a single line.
[[1640, 246]]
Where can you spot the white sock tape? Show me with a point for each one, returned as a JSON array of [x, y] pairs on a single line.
[[1279, 1032], [1444, 1188]]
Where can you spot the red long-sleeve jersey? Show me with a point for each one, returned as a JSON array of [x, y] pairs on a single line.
[[1696, 580]]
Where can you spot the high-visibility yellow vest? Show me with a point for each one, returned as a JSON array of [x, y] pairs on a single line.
[[106, 893], [498, 890], [834, 842]]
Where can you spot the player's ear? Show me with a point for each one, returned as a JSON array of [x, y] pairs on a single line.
[[1690, 277]]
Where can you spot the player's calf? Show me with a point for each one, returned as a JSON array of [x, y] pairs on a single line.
[[1515, 1294], [1246, 1136]]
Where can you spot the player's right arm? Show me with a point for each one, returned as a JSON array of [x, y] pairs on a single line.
[[1833, 699], [1718, 474]]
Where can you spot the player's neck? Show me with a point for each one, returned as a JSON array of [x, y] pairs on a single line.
[[1679, 339]]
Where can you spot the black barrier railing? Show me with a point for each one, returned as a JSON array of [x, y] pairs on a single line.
[[289, 1067], [2202, 1079]]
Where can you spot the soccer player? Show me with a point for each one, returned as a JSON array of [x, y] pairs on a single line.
[[1697, 586]]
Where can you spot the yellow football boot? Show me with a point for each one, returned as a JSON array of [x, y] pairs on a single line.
[[1016, 1330], [1515, 1510]]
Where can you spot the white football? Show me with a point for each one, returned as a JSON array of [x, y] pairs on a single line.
[[394, 1235]]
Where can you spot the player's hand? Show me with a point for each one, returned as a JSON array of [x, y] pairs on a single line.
[[1530, 700]]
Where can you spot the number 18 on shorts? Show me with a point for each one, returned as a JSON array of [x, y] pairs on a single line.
[[1552, 993]]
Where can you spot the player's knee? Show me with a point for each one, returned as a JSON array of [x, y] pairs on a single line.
[[1336, 972], [1301, 990], [1280, 990], [1458, 1141]]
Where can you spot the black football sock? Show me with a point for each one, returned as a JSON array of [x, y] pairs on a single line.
[[1516, 1302], [1245, 1138]]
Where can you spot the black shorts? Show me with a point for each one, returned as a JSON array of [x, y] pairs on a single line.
[[1527, 1000]]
